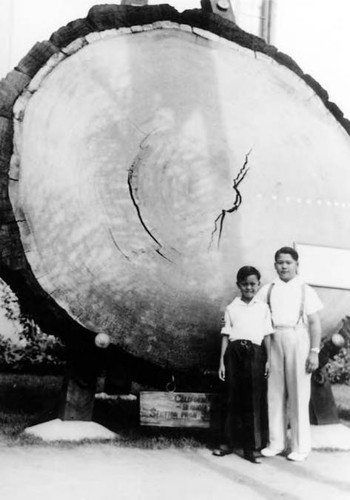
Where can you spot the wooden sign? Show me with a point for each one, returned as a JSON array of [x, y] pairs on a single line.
[[179, 409]]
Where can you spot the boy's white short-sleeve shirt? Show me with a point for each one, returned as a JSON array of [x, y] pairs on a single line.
[[247, 321], [286, 298]]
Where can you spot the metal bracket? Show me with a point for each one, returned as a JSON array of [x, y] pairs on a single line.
[[222, 8], [134, 3]]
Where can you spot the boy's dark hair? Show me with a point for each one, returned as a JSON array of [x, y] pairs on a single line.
[[289, 250], [246, 271]]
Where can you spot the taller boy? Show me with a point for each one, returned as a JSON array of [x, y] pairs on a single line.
[[293, 355]]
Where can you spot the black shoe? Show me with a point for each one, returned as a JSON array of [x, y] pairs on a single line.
[[222, 451], [252, 456]]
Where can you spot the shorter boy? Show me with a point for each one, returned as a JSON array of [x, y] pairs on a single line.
[[242, 366]]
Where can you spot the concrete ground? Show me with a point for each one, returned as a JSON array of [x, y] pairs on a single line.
[[110, 472]]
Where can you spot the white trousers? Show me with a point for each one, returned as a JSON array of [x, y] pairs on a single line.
[[289, 388]]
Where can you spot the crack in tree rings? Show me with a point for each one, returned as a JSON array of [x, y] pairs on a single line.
[[132, 190], [219, 221]]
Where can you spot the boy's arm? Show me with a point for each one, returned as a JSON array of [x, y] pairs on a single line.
[[267, 342], [315, 340], [224, 344], [269, 330], [225, 332]]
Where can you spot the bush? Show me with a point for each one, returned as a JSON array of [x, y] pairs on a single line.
[[33, 351], [40, 354], [338, 369]]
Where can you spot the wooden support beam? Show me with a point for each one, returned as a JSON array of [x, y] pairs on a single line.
[[79, 398], [79, 387], [221, 7]]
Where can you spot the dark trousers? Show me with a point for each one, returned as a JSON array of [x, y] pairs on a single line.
[[245, 423]]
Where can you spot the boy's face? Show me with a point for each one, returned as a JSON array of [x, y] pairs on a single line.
[[286, 267], [248, 287]]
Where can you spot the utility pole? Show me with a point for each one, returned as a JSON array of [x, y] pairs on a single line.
[[266, 25]]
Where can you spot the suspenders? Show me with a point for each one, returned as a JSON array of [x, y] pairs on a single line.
[[302, 303]]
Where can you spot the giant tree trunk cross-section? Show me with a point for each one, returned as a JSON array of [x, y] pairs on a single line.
[[154, 153]]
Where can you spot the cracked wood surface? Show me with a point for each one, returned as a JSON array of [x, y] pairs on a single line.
[[236, 203], [125, 146]]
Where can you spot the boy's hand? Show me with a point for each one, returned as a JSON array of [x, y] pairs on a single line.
[[311, 362], [267, 369], [222, 372]]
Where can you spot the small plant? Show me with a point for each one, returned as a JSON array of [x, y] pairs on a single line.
[[43, 353], [338, 369]]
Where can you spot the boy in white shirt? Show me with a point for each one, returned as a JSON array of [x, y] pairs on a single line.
[[242, 365], [293, 349]]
